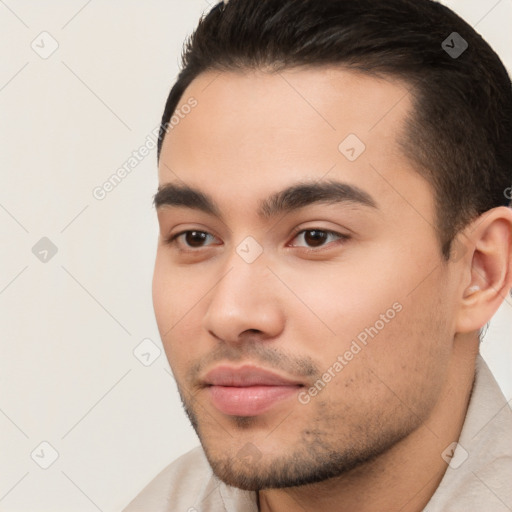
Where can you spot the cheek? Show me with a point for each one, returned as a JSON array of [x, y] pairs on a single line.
[[408, 357], [163, 295], [176, 293], [171, 301], [394, 376], [386, 313], [339, 304]]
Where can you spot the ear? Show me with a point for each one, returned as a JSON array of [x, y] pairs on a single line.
[[488, 268]]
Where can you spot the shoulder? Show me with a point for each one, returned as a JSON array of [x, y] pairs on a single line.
[[177, 486], [479, 474], [189, 485]]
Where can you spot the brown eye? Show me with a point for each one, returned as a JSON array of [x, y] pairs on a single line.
[[195, 238], [314, 238], [192, 239]]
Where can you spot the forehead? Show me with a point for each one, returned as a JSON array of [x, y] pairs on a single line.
[[320, 99], [254, 132]]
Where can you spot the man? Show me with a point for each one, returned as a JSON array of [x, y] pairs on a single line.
[[335, 232]]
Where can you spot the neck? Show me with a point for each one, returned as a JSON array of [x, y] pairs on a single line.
[[404, 477]]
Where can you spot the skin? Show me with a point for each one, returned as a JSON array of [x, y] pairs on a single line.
[[372, 439]]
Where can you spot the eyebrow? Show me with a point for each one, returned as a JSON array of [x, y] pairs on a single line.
[[292, 198]]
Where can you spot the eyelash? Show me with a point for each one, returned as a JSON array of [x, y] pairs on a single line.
[[172, 240]]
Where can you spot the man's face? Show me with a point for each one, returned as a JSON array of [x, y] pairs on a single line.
[[345, 301]]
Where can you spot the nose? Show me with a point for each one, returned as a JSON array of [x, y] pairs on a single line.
[[244, 304]]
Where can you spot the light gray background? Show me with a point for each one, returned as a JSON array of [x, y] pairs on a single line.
[[69, 326]]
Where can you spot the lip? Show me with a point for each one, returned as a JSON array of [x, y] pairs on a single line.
[[247, 390], [245, 376]]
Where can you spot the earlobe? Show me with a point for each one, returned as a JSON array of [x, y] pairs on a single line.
[[490, 273]]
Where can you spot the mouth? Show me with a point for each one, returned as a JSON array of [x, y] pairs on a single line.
[[247, 390]]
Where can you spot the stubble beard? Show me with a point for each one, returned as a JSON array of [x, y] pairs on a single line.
[[317, 456]]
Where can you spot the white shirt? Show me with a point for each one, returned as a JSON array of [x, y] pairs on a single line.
[[478, 479]]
